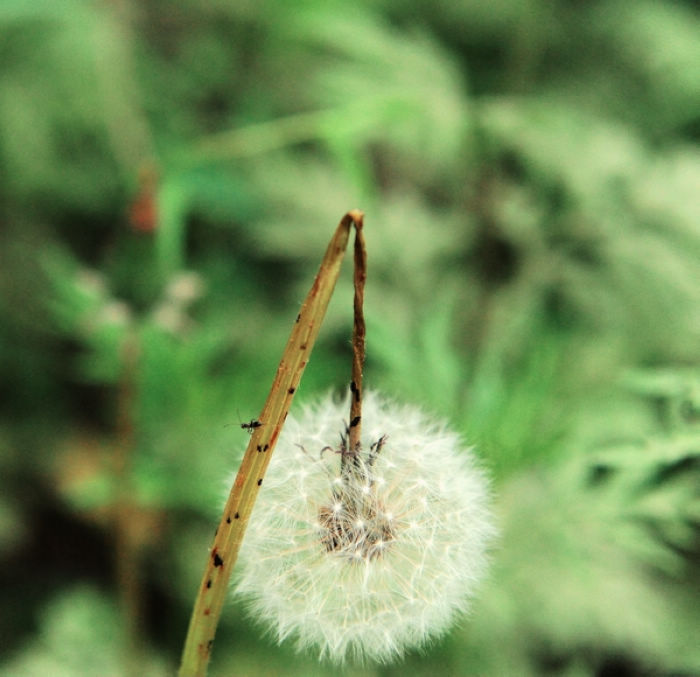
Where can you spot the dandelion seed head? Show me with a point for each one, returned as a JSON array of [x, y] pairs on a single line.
[[366, 561]]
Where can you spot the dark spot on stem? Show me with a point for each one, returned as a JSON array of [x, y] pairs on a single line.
[[209, 584], [298, 317], [302, 346], [217, 560], [291, 391], [266, 447], [259, 448], [355, 421], [228, 520], [210, 644], [236, 516], [355, 390], [260, 481]]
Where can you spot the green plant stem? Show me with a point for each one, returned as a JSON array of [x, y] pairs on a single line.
[[263, 137], [126, 549], [229, 534]]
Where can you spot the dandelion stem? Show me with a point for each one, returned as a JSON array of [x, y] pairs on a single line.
[[358, 343], [229, 534]]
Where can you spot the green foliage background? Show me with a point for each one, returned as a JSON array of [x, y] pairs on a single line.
[[171, 173]]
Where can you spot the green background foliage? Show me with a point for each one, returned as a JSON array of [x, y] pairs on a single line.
[[171, 173]]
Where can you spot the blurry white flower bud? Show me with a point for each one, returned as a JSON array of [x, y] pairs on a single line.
[[92, 282], [185, 287], [169, 316], [116, 312]]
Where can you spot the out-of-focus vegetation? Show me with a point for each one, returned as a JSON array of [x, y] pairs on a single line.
[[171, 173]]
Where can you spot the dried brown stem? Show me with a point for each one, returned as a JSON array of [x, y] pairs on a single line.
[[229, 534], [358, 344]]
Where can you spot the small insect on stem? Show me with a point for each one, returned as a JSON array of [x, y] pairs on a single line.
[[254, 423]]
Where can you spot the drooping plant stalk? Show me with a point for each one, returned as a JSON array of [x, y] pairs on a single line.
[[229, 534], [126, 548], [358, 348]]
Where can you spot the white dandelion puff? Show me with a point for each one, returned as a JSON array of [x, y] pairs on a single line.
[[370, 554]]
